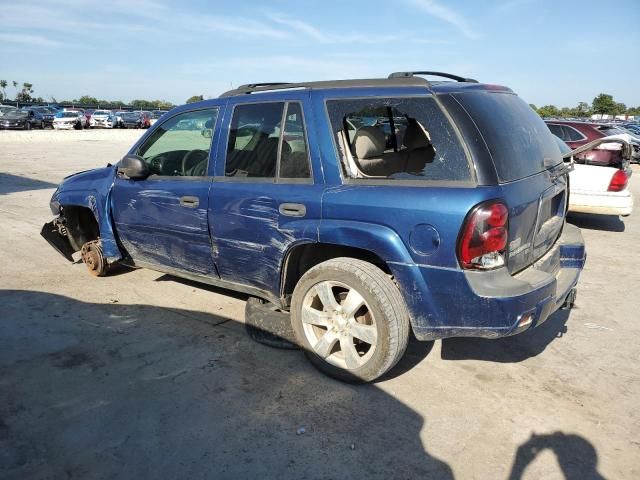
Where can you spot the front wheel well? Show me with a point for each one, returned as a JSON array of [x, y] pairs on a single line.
[[81, 225], [306, 256]]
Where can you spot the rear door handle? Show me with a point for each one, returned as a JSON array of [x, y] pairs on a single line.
[[189, 202], [292, 209]]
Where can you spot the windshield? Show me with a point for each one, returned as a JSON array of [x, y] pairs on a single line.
[[519, 141], [611, 130], [101, 112], [67, 114], [130, 115]]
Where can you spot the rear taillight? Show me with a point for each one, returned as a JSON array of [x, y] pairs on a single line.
[[484, 237], [618, 181]]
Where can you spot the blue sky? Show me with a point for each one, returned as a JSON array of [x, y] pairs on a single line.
[[558, 52]]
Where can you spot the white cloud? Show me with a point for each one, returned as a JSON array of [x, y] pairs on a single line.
[[446, 14], [26, 39]]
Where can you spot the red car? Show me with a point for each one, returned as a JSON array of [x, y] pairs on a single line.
[[145, 117], [576, 134]]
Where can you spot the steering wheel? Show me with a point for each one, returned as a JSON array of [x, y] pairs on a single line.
[[191, 159]]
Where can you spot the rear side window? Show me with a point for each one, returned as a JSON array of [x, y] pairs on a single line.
[[259, 146], [397, 139], [517, 138]]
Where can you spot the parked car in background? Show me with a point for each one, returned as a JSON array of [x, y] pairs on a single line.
[[597, 189], [47, 114], [156, 114], [88, 113], [6, 108], [21, 120], [70, 119], [131, 120], [457, 230], [576, 134], [618, 131], [103, 119], [118, 116], [145, 119]]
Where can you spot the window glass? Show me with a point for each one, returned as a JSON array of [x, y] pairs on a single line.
[[294, 158], [557, 131], [254, 138], [573, 134], [518, 139], [180, 146], [397, 139]]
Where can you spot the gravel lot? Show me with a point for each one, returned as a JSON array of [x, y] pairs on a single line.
[[141, 375]]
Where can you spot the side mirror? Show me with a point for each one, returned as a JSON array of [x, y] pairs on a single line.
[[207, 133], [133, 167]]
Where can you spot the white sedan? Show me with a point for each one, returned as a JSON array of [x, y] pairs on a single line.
[[597, 189]]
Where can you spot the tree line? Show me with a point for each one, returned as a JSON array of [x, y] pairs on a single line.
[[603, 104], [24, 93]]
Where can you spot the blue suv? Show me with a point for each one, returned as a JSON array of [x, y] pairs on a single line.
[[365, 208]]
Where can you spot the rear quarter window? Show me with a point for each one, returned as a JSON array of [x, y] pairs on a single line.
[[518, 140], [392, 139]]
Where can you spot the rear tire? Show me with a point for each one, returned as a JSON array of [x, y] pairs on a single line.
[[350, 319]]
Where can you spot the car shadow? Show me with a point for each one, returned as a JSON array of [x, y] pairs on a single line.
[[508, 349], [15, 183], [137, 391], [576, 456], [610, 223]]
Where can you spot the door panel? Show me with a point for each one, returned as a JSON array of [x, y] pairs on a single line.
[[268, 198], [251, 236], [158, 222]]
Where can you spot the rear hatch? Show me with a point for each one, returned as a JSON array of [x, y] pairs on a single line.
[[529, 169]]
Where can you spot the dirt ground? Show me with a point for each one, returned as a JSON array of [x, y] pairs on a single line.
[[141, 375]]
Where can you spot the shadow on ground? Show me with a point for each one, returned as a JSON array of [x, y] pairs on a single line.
[[508, 349], [135, 391], [609, 223], [576, 456], [14, 183]]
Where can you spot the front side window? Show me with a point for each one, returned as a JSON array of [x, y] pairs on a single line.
[[397, 139], [181, 145], [259, 146]]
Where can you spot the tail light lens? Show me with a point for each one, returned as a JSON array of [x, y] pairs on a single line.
[[484, 237], [618, 181]]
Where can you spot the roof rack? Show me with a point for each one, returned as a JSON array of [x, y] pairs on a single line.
[[257, 87], [457, 78], [366, 82]]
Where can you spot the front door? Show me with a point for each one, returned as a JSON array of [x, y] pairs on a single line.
[[162, 220]]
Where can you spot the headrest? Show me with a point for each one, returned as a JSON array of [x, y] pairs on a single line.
[[369, 142], [415, 137]]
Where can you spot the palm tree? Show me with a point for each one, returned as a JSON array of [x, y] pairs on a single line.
[[3, 86], [15, 85]]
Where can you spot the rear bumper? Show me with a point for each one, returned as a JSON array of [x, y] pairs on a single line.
[[602, 203], [455, 303]]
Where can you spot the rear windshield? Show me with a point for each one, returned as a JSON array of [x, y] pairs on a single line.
[[519, 141], [397, 139]]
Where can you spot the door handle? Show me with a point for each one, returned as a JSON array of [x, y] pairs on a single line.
[[189, 202], [292, 209]]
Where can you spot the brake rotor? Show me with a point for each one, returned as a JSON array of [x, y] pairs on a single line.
[[94, 260]]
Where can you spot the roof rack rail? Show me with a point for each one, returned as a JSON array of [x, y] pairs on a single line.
[[256, 87], [457, 78]]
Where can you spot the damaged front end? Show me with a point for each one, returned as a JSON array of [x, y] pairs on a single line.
[[56, 234]]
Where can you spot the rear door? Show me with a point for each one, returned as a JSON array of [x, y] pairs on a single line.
[[162, 221], [266, 194], [529, 169]]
